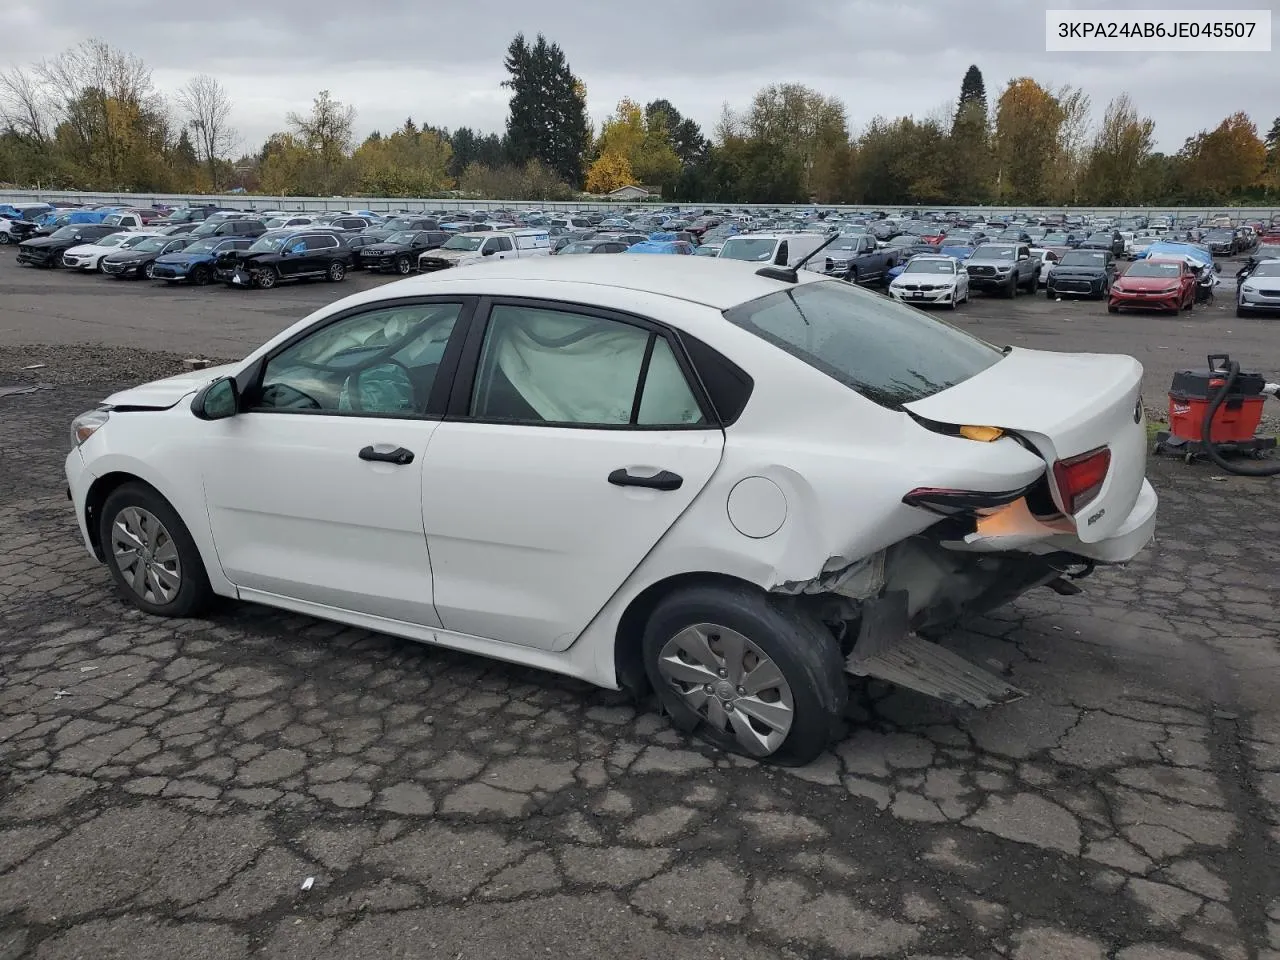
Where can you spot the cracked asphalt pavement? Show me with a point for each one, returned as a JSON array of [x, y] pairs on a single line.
[[263, 784]]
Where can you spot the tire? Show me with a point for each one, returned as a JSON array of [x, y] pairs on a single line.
[[149, 271], [403, 267], [200, 275], [953, 303], [1111, 309], [135, 512], [1241, 311], [337, 272], [1011, 292], [1048, 293], [266, 278], [5, 239], [852, 276], [809, 699]]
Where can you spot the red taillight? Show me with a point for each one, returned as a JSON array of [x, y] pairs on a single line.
[[1080, 478]]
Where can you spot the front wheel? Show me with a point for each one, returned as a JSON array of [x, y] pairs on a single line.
[[150, 553], [200, 275], [1241, 311], [5, 239], [403, 266], [149, 271], [266, 278], [1111, 309], [336, 271], [1012, 291], [746, 673]]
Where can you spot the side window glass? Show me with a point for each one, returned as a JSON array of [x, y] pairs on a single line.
[[548, 366], [782, 255], [382, 362], [666, 399]]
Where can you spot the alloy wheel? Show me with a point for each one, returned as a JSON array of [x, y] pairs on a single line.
[[146, 555], [731, 684]]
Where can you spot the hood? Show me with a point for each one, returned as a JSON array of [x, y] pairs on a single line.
[[128, 256], [442, 254], [1146, 283], [163, 394], [48, 241], [985, 262], [1087, 270], [380, 248], [182, 257]]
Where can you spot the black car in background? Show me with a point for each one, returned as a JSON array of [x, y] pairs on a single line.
[[234, 226], [140, 260], [399, 252], [399, 225], [356, 243], [48, 251], [1104, 240], [1082, 273], [283, 255], [597, 245]]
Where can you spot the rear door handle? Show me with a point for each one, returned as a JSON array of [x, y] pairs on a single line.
[[399, 456], [663, 480]]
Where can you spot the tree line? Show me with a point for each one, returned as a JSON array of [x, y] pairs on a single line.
[[92, 119]]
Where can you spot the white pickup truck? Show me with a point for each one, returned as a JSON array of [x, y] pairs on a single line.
[[466, 248]]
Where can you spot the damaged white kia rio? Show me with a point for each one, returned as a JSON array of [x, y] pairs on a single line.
[[734, 485]]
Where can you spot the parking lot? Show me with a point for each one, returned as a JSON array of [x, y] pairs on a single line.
[[260, 783]]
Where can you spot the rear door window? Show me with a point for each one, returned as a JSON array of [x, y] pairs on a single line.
[[886, 351]]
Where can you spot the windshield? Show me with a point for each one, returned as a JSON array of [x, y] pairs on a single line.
[[203, 246], [151, 244], [404, 236], [993, 251], [1103, 237], [463, 243], [1154, 268], [276, 222], [111, 240], [886, 351], [1219, 235], [268, 243], [114, 220], [65, 233], [746, 248], [929, 266], [578, 248], [1266, 270], [1083, 258]]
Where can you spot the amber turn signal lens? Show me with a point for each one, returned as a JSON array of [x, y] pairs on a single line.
[[982, 434]]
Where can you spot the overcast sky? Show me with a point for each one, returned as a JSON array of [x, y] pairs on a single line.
[[441, 63]]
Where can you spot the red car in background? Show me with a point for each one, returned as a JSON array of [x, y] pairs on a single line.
[[1154, 284]]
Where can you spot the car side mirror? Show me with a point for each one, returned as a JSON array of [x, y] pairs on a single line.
[[488, 252], [78, 236], [217, 401]]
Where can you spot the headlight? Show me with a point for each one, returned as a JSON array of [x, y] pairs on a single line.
[[87, 424], [1249, 289]]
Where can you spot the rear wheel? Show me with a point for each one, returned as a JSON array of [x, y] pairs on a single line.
[[266, 278], [150, 553], [337, 271], [747, 674]]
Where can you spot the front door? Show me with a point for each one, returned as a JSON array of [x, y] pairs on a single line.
[[574, 443], [314, 490]]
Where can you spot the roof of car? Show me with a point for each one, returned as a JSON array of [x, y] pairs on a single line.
[[710, 281]]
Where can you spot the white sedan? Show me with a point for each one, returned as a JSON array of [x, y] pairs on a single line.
[[88, 256], [732, 485], [931, 279]]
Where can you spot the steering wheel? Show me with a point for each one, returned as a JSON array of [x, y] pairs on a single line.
[[353, 383], [285, 396]]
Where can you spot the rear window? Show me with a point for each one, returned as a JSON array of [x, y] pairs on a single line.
[[886, 351]]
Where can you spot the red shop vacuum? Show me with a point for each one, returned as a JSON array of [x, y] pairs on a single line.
[[1216, 414]]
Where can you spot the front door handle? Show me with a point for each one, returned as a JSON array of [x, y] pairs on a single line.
[[663, 480], [399, 456]]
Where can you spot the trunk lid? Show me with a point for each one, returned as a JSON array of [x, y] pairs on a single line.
[[1065, 405]]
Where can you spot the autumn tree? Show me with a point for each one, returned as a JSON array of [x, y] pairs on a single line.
[[1118, 157], [207, 108], [1224, 162], [408, 163], [1028, 122], [548, 112], [608, 172]]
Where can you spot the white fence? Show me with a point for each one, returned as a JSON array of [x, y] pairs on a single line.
[[243, 201]]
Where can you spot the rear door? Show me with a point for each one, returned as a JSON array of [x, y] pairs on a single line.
[[573, 442], [1070, 406]]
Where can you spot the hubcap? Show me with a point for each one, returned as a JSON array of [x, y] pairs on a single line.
[[146, 555], [731, 684]]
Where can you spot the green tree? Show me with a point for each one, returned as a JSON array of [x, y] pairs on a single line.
[[408, 163], [683, 133], [973, 89], [970, 168], [326, 133], [548, 113]]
